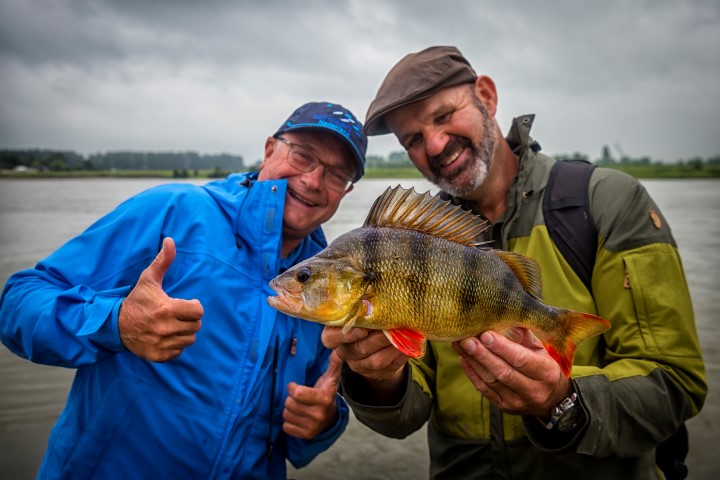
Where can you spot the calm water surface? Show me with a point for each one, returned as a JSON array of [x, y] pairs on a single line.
[[38, 216]]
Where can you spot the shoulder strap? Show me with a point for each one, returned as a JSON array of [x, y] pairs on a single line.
[[566, 208]]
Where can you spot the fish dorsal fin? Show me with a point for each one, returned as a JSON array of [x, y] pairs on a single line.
[[526, 269], [406, 209]]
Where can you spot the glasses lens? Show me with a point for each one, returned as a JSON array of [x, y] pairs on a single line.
[[302, 159], [336, 180], [305, 161]]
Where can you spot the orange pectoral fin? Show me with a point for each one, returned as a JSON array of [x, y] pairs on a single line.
[[409, 342]]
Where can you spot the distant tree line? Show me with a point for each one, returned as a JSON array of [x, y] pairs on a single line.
[[400, 159], [185, 164], [607, 159], [58, 160], [397, 159]]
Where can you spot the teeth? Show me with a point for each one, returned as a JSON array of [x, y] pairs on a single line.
[[451, 158], [299, 198]]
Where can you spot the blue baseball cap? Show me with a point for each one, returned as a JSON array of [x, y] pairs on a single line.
[[333, 118]]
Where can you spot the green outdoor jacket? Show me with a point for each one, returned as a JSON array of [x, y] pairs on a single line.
[[636, 383]]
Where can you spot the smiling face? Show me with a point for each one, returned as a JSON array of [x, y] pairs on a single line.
[[450, 137], [308, 201]]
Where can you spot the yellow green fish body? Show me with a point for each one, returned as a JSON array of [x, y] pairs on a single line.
[[417, 270]]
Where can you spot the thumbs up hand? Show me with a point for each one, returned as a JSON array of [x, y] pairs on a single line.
[[152, 325], [311, 410]]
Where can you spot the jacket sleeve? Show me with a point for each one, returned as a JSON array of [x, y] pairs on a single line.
[[651, 376], [408, 415], [301, 452], [64, 312]]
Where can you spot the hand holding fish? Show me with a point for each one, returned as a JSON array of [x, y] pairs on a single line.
[[311, 410], [520, 378], [152, 325], [370, 354]]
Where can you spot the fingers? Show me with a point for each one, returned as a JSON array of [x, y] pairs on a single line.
[[519, 378], [160, 265], [367, 352], [333, 337], [331, 378], [187, 310], [310, 410]]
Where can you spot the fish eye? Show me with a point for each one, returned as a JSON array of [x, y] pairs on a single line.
[[303, 275]]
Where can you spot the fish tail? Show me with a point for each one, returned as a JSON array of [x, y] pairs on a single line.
[[575, 327]]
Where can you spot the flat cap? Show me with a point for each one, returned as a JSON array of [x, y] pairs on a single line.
[[416, 77]]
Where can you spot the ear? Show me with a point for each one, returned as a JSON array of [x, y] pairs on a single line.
[[270, 144], [486, 92]]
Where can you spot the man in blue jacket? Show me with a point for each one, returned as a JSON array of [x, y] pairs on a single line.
[[183, 369]]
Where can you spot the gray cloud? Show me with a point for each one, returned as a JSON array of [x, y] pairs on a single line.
[[221, 75]]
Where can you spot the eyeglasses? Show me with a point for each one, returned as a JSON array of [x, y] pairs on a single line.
[[302, 159]]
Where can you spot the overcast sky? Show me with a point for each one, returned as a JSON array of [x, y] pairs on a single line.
[[216, 76]]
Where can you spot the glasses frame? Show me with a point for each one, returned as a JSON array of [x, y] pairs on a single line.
[[326, 167]]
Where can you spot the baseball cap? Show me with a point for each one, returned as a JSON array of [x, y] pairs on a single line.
[[335, 119], [416, 77]]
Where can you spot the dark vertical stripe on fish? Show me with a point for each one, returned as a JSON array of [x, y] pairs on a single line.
[[509, 287], [466, 295], [371, 250], [528, 306], [418, 284]]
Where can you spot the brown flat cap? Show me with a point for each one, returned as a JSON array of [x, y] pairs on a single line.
[[416, 77]]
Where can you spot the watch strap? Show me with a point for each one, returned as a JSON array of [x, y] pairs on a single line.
[[558, 410]]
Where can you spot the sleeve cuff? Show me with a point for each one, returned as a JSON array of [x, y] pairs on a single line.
[[108, 335]]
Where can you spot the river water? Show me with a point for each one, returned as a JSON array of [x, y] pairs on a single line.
[[37, 216]]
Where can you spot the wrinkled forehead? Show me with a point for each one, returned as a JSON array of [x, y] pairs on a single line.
[[415, 115]]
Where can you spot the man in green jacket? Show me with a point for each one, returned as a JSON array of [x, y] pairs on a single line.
[[500, 407]]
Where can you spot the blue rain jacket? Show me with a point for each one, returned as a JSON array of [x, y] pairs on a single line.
[[216, 410]]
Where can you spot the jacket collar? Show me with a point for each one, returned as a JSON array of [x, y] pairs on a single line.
[[255, 209]]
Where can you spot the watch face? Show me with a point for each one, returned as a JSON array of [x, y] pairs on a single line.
[[569, 419]]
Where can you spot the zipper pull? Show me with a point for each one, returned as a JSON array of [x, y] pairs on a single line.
[[293, 346]]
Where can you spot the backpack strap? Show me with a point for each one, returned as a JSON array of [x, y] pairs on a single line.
[[566, 209]]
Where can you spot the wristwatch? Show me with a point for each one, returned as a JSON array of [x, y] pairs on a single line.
[[566, 416]]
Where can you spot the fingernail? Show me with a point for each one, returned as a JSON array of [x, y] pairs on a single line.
[[469, 345], [487, 339]]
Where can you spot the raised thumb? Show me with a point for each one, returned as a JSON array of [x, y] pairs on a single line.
[[331, 378], [156, 271]]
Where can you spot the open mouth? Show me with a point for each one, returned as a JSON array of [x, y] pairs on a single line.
[[284, 301], [301, 199], [449, 157]]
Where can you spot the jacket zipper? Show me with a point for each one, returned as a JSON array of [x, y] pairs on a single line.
[[269, 441]]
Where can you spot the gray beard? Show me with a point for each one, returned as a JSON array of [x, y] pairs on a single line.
[[476, 169]]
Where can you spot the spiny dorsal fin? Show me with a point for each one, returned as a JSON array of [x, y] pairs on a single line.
[[406, 209], [526, 269]]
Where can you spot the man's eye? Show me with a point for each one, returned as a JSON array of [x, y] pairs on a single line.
[[445, 117], [338, 175], [303, 157], [414, 141]]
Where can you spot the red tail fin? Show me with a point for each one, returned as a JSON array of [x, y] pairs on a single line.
[[577, 327]]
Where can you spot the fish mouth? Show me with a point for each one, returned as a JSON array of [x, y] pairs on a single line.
[[284, 301]]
